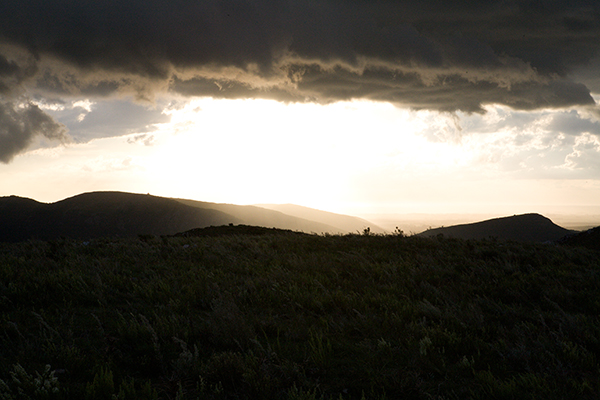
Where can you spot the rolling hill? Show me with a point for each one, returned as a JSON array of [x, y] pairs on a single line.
[[120, 214], [101, 214], [346, 223], [525, 228], [256, 215]]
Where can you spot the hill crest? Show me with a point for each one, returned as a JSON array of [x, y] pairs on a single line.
[[530, 227]]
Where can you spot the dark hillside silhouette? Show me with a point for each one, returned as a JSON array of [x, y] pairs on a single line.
[[589, 239], [229, 230], [18, 217], [525, 228], [99, 214], [121, 214]]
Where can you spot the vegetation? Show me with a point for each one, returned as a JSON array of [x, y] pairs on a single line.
[[290, 316], [589, 239]]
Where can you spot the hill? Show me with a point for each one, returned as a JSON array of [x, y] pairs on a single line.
[[99, 214], [346, 223], [259, 216], [525, 228], [235, 230], [120, 214], [589, 238], [17, 215]]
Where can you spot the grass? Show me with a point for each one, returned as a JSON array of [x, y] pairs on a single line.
[[288, 316]]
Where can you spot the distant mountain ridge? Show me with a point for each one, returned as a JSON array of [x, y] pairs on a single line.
[[122, 214], [345, 222], [99, 214], [253, 215], [524, 228]]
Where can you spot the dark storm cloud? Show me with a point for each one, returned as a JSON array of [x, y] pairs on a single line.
[[12, 74], [20, 124], [425, 54], [432, 54], [7, 67]]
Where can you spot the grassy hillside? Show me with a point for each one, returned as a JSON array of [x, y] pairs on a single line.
[[589, 238], [292, 316]]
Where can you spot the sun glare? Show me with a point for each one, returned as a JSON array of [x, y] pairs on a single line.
[[348, 157], [356, 158], [257, 151]]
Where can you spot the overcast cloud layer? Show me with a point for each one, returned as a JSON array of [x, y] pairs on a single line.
[[438, 55]]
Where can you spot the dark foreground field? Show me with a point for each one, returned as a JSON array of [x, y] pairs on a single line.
[[291, 316]]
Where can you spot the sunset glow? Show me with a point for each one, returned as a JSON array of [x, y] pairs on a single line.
[[363, 114], [350, 157]]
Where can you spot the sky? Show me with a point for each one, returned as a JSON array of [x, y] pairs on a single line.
[[351, 106]]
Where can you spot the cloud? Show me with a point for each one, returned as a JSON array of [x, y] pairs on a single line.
[[540, 144], [20, 124], [571, 123], [87, 120], [144, 138], [13, 73], [423, 54], [585, 155], [587, 73]]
